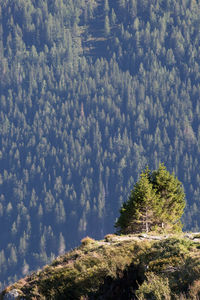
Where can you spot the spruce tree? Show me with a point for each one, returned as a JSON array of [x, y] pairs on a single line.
[[170, 195], [157, 202], [139, 212], [106, 6], [107, 26]]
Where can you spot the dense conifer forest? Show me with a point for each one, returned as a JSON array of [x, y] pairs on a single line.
[[90, 93]]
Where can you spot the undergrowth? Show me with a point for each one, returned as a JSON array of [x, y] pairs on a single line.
[[166, 269]]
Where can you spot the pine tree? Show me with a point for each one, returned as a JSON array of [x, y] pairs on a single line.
[[156, 202], [171, 196], [107, 26], [106, 6], [139, 212], [61, 249], [113, 17]]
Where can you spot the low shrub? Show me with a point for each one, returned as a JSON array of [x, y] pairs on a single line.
[[155, 287], [109, 237], [87, 240]]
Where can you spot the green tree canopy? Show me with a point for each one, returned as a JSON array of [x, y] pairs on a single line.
[[157, 202]]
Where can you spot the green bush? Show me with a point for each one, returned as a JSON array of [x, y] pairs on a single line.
[[155, 288]]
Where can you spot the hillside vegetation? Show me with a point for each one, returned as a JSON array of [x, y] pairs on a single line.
[[127, 267], [90, 92]]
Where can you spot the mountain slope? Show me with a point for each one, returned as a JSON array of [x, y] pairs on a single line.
[[91, 92], [119, 268]]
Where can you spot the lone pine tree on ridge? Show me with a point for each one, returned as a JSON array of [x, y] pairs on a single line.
[[156, 202]]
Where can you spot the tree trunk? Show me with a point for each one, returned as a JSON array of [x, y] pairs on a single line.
[[147, 226], [146, 221]]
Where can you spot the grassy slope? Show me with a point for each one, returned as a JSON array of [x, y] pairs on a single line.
[[119, 268]]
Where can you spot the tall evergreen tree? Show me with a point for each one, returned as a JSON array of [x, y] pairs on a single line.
[[107, 26], [140, 211], [171, 196], [106, 6], [156, 202]]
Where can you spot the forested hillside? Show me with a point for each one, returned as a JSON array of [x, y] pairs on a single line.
[[91, 92]]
